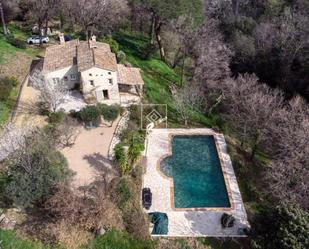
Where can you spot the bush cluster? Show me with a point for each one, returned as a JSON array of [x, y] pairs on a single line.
[[16, 42], [121, 158], [148, 51], [285, 226], [112, 43], [7, 84], [56, 117], [109, 112], [128, 159], [33, 171], [127, 197], [121, 56], [91, 115]]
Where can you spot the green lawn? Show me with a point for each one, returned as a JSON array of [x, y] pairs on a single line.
[[158, 77], [8, 54], [6, 49], [114, 239], [7, 106], [9, 240]]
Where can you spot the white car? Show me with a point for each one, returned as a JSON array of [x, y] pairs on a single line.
[[36, 39]]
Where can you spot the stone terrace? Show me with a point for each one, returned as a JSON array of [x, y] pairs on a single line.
[[189, 223]]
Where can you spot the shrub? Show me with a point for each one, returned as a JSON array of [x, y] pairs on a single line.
[[56, 117], [27, 189], [135, 151], [4, 180], [123, 193], [285, 227], [122, 159], [114, 239], [90, 115], [16, 42], [136, 146], [109, 112], [6, 86], [246, 24], [34, 171], [70, 237], [148, 51], [135, 115], [121, 56], [127, 197], [113, 44], [75, 114]]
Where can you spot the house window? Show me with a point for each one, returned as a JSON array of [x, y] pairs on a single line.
[[65, 78], [91, 82], [73, 77], [110, 81], [105, 94]]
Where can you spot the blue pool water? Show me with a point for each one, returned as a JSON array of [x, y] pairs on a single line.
[[196, 172]]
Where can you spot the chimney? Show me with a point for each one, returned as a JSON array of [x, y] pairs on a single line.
[[61, 38], [93, 42]]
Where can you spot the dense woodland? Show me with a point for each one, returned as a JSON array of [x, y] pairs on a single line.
[[241, 65]]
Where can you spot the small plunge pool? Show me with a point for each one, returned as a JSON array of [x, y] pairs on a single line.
[[196, 171]]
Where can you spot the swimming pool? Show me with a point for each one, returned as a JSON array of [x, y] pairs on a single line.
[[194, 165]]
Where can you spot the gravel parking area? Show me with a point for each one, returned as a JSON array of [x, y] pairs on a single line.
[[88, 157]]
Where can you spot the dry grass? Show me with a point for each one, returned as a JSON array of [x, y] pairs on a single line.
[[71, 237]]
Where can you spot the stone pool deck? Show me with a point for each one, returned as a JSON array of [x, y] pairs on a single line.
[[191, 222]]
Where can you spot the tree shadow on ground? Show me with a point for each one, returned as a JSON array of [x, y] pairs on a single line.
[[106, 169], [28, 108], [103, 165]]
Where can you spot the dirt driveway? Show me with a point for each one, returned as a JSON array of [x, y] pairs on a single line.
[[27, 107], [88, 157]]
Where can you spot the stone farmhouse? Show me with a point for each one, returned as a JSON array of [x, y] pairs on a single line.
[[92, 67]]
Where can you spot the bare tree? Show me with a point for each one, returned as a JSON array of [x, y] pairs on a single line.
[[96, 14], [52, 93], [212, 59], [262, 118], [182, 32], [67, 131], [250, 106], [289, 171], [88, 211], [188, 100], [212, 56], [114, 17], [12, 138], [41, 11], [3, 20]]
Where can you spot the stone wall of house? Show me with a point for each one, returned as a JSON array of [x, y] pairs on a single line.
[[95, 80], [68, 75]]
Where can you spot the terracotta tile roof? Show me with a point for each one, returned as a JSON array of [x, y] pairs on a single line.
[[129, 75], [79, 52], [60, 56], [99, 56], [87, 55]]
